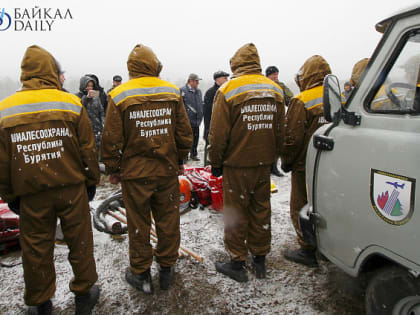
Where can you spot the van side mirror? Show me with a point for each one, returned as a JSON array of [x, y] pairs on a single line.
[[332, 97]]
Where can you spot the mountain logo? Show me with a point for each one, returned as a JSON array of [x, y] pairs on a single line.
[[5, 20], [392, 196]]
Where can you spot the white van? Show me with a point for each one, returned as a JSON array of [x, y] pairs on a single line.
[[363, 210]]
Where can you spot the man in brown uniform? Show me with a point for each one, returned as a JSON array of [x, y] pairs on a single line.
[[357, 71], [304, 115], [146, 137], [246, 134], [48, 160]]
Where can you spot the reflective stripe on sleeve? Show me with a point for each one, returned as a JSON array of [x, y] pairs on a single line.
[[144, 91], [251, 87]]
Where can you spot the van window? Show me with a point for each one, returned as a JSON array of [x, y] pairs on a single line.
[[399, 92]]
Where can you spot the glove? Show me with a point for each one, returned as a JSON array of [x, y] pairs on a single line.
[[217, 171], [286, 167], [15, 205], [91, 191]]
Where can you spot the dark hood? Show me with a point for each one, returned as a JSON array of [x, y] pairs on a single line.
[[312, 73], [96, 79], [245, 61], [142, 62], [39, 70], [83, 83]]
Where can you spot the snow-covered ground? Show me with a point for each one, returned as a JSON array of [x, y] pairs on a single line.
[[289, 288]]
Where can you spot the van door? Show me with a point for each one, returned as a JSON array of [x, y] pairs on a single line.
[[366, 188]]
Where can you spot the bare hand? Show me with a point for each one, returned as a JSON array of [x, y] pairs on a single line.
[[92, 93]]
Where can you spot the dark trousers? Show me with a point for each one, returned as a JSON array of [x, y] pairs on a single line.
[[196, 134], [298, 198]]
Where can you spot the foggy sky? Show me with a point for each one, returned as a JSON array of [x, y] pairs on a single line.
[[200, 36]]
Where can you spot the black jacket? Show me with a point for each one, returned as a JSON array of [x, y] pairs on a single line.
[[93, 107], [102, 95], [208, 108]]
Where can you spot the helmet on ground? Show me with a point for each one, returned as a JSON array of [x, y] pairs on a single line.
[[185, 188]]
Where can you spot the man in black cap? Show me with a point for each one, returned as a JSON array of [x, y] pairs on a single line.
[[193, 102], [272, 72], [116, 80], [219, 77]]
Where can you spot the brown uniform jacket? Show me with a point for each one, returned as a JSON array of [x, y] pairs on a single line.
[[305, 113], [147, 132], [246, 128], [46, 139]]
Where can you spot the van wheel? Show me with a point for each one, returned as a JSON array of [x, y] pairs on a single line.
[[393, 291]]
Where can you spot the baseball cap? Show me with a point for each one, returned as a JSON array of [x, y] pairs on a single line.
[[219, 74], [270, 70], [117, 78], [194, 77]]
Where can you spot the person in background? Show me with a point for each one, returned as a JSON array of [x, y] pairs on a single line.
[[146, 138], [102, 95], [193, 102], [56, 180], [246, 135], [219, 77], [304, 116], [357, 71], [347, 90], [61, 77], [272, 72], [116, 81], [89, 96]]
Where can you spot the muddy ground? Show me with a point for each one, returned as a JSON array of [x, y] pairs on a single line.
[[289, 288]]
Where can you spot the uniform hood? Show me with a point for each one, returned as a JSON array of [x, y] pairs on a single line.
[[39, 70], [142, 62], [245, 61], [358, 70], [312, 73], [84, 81]]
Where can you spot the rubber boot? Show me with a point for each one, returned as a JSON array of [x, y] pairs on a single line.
[[86, 302], [302, 256], [166, 277], [43, 309], [141, 282], [235, 269], [258, 262]]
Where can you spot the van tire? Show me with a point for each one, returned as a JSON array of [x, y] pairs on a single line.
[[393, 290]]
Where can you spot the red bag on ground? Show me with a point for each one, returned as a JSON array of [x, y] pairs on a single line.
[[200, 186], [9, 228], [216, 189]]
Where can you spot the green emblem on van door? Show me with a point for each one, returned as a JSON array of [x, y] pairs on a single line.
[[392, 196]]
